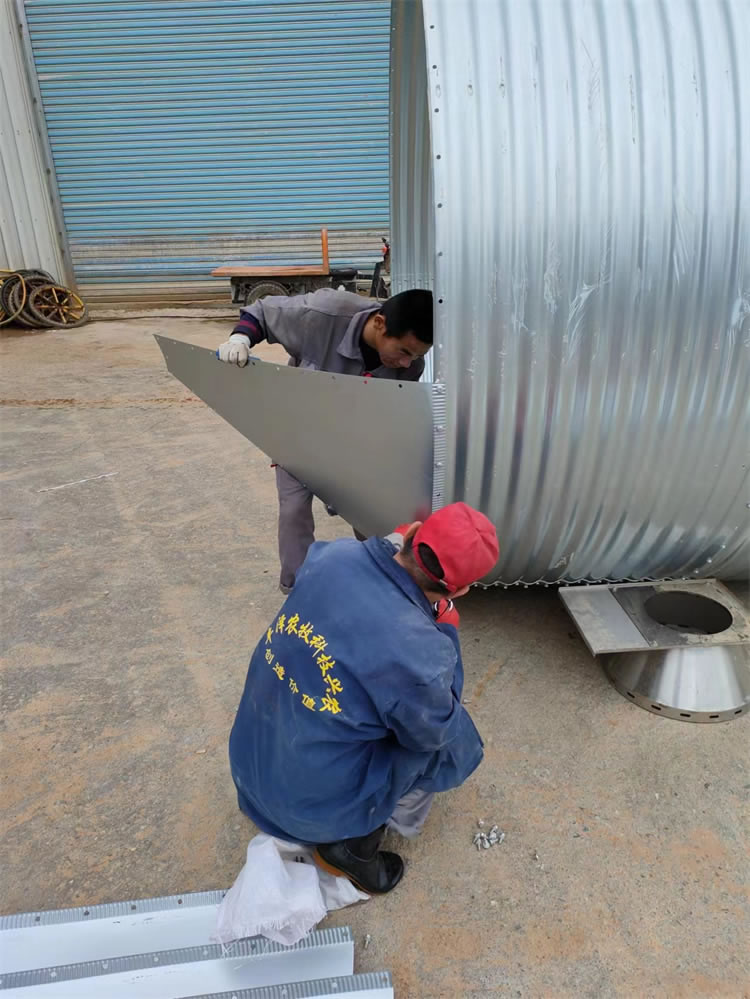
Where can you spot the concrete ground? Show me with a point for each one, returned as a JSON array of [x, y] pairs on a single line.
[[132, 601]]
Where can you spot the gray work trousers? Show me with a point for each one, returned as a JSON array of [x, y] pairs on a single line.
[[410, 813], [296, 524]]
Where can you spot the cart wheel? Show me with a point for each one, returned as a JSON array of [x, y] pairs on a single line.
[[9, 283], [8, 310], [263, 288], [57, 307], [35, 273], [17, 298]]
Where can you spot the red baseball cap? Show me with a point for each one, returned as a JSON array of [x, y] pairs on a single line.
[[464, 541]]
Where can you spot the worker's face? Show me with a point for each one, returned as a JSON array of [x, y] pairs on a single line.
[[397, 352]]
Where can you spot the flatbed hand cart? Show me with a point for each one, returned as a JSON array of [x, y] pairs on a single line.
[[251, 283]]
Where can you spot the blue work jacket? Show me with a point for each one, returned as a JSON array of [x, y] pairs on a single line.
[[352, 698]]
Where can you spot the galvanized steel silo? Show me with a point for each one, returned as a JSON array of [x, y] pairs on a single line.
[[571, 178]]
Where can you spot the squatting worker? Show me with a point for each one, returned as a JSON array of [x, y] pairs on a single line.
[[351, 718], [343, 333]]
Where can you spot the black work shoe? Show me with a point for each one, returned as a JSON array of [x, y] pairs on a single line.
[[369, 869]]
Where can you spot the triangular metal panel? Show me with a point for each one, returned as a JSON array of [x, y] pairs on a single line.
[[363, 445]]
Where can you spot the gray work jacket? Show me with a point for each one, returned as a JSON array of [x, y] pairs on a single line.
[[322, 330]]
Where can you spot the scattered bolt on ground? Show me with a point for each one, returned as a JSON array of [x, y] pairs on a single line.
[[483, 840]]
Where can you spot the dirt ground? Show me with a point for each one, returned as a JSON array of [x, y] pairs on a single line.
[[138, 533]]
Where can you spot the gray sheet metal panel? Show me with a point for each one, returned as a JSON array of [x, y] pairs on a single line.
[[364, 445], [192, 970], [581, 214], [28, 222]]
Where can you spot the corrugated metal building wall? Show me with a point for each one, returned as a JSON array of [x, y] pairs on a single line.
[[193, 133], [28, 226]]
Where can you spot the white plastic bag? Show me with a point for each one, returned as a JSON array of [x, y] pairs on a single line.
[[280, 894]]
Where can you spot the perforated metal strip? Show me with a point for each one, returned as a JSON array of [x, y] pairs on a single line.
[[440, 444], [111, 910], [254, 947], [376, 984]]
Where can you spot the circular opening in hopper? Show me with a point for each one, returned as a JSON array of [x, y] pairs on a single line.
[[689, 612]]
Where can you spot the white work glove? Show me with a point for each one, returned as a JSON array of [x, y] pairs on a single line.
[[236, 350]]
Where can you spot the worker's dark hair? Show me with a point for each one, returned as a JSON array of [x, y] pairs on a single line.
[[409, 312], [429, 560]]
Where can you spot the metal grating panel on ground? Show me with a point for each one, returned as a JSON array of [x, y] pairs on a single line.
[[30, 940], [246, 964], [192, 133], [375, 985]]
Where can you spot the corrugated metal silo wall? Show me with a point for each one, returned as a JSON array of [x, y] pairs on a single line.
[[192, 133], [573, 184]]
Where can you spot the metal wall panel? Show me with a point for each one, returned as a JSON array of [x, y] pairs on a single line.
[[192, 133], [28, 225], [581, 214]]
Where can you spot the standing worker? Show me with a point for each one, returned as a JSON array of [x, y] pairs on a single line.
[[351, 718], [343, 333]]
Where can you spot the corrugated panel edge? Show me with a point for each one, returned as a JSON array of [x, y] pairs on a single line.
[[41, 240]]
